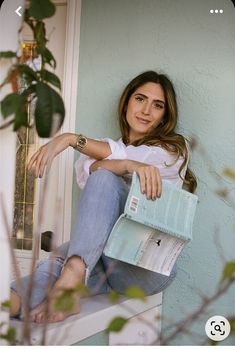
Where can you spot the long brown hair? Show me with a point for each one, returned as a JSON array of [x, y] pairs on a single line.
[[164, 134]]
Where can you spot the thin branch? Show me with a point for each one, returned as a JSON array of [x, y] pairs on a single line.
[[219, 245], [206, 302], [50, 284]]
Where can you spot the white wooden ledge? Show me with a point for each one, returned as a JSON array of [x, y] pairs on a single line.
[[96, 313]]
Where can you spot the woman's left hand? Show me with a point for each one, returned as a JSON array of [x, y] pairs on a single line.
[[150, 179]]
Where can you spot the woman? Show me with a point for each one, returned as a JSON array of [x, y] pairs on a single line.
[[150, 147]]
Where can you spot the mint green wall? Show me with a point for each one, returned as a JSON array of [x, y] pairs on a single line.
[[120, 39]]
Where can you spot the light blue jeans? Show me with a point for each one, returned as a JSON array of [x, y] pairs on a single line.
[[102, 201]]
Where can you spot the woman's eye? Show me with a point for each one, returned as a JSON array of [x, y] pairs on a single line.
[[158, 106], [139, 99]]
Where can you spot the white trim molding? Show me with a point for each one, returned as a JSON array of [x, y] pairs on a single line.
[[70, 84], [64, 172]]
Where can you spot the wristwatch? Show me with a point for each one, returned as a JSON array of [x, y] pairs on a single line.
[[81, 142]]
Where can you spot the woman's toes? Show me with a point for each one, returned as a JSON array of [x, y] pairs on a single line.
[[56, 317], [32, 317], [39, 309], [40, 317]]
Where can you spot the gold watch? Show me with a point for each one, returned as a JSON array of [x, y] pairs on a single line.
[[81, 142]]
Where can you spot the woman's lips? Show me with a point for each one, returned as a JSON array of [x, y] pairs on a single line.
[[143, 121]]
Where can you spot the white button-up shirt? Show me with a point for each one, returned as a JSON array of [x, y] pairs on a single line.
[[152, 155]]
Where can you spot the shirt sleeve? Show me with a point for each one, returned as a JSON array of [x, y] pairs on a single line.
[[167, 165], [152, 155], [161, 158], [82, 165]]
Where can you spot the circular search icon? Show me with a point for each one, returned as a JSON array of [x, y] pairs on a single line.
[[217, 328]]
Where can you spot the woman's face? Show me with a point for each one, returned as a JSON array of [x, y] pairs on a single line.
[[145, 110]]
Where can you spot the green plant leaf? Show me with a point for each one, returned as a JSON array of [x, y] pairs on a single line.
[[10, 104], [7, 54], [40, 33], [81, 289], [114, 296], [229, 271], [135, 292], [16, 104], [28, 20], [51, 78], [40, 9], [49, 111], [232, 324], [65, 302], [29, 91], [212, 343], [228, 172], [10, 336], [6, 304], [47, 56], [28, 73], [21, 119], [117, 324], [21, 114]]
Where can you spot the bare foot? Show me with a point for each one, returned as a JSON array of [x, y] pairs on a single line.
[[72, 274], [36, 311], [47, 311]]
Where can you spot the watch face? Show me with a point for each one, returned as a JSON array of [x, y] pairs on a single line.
[[82, 141]]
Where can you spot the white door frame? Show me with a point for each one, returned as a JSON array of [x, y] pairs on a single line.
[[66, 158], [70, 84]]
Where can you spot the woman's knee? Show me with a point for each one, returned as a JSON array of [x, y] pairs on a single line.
[[106, 181], [123, 276], [103, 176], [161, 282]]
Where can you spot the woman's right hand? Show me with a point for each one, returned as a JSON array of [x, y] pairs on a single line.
[[45, 154], [150, 179]]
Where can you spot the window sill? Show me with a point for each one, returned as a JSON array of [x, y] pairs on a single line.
[[96, 314]]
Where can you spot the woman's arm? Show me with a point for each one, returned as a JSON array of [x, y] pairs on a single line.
[[94, 149], [45, 154], [150, 179]]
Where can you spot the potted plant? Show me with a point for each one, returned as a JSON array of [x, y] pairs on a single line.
[[40, 92], [39, 81]]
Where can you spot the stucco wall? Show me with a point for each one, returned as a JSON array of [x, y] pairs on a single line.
[[120, 39]]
